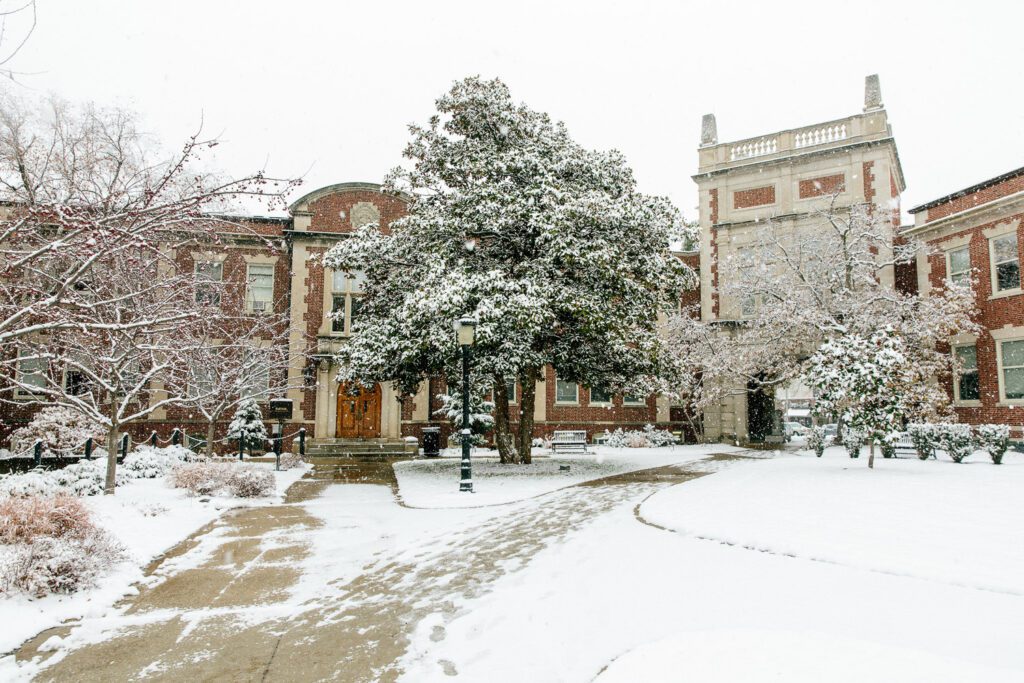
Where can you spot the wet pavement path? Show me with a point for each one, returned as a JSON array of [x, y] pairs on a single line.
[[221, 607]]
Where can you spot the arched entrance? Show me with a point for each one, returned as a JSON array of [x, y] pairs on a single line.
[[358, 412]]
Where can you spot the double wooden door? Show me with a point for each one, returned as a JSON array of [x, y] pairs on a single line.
[[358, 412]]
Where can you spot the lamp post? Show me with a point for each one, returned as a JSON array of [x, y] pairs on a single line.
[[465, 335]]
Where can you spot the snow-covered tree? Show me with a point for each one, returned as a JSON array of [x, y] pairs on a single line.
[[548, 245], [81, 185], [247, 423], [864, 380], [229, 359], [794, 288], [60, 429], [481, 417]]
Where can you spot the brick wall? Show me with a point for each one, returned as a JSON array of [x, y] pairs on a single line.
[[713, 199], [825, 185], [333, 212], [992, 314], [758, 196], [869, 181], [982, 196]]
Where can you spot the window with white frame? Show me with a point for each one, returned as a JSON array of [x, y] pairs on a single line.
[[566, 391], [31, 373], [958, 265], [600, 395], [1005, 262], [1012, 357], [209, 276], [510, 390], [201, 381], [633, 401], [256, 374], [967, 385], [346, 297], [259, 292]]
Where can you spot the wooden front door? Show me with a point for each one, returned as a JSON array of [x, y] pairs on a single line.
[[358, 412]]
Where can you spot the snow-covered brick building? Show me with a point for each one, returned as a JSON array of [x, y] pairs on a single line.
[[787, 179], [976, 233]]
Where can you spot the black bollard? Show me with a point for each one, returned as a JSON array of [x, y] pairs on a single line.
[[88, 448], [176, 437], [152, 439], [302, 442], [124, 447], [37, 452], [241, 446]]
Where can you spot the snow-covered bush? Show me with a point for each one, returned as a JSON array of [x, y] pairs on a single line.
[[34, 483], [648, 438], [887, 444], [147, 462], [251, 482], [291, 460], [201, 478], [83, 478], [995, 440], [52, 545], [60, 429], [925, 438], [816, 440], [481, 418], [248, 422], [956, 440], [853, 439], [24, 518]]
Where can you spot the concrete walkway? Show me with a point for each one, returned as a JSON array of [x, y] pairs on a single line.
[[221, 607]]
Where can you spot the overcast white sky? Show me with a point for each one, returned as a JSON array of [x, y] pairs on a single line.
[[326, 89]]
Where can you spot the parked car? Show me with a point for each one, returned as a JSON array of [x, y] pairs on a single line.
[[794, 429]]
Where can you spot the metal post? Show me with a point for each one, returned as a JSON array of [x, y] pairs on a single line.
[[124, 447], [88, 448], [37, 452], [302, 442], [466, 482], [277, 445], [152, 439], [241, 445], [176, 437]]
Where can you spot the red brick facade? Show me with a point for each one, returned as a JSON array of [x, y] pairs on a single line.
[[995, 312], [758, 196], [825, 185]]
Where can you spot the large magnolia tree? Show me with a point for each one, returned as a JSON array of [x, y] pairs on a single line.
[[547, 244], [790, 290]]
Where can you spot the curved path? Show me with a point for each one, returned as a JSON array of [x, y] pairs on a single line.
[[223, 605]]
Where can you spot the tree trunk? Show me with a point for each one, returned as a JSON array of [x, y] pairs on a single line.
[[502, 428], [529, 383], [211, 432], [871, 453], [112, 445]]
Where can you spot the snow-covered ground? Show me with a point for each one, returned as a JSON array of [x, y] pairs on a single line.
[[435, 483], [640, 603], [147, 517]]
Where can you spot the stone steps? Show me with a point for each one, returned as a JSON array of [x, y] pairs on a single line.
[[368, 448]]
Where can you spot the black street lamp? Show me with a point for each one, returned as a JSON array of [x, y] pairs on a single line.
[[465, 335]]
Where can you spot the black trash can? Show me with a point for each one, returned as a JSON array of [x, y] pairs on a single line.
[[432, 442]]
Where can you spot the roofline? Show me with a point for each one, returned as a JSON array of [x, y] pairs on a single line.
[[337, 188], [969, 190]]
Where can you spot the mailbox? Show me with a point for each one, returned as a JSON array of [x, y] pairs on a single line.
[[280, 409]]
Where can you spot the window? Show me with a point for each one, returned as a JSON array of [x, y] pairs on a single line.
[[958, 265], [76, 383], [748, 308], [259, 293], [967, 387], [31, 374], [256, 374], [566, 391], [209, 276], [510, 390], [1013, 369], [633, 401], [1005, 262], [201, 381], [346, 298], [600, 395]]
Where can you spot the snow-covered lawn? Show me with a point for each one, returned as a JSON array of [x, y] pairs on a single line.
[[935, 519], [147, 517], [435, 483]]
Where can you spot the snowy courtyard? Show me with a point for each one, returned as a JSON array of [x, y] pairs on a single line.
[[709, 561]]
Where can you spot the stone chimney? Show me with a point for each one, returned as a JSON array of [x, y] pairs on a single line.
[[708, 131], [872, 93]]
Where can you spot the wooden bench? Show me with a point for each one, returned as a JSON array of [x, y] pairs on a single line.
[[904, 446], [569, 441]]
